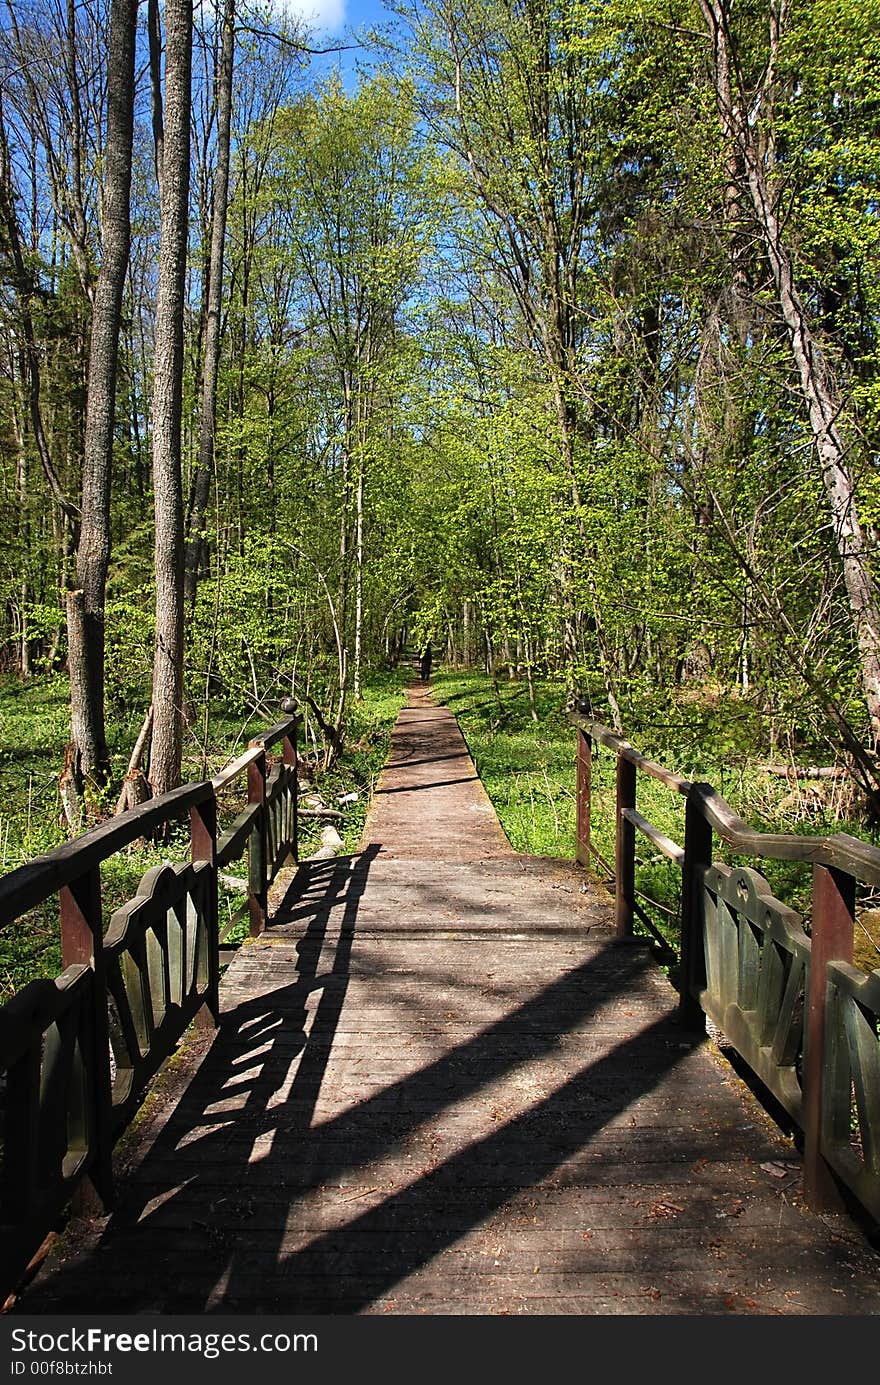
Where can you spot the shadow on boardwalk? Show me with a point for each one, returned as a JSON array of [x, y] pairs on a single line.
[[439, 1087], [204, 1224]]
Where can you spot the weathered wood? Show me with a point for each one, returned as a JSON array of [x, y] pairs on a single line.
[[757, 958], [803, 771], [440, 1088], [235, 768], [258, 844], [625, 750], [232, 843], [831, 940], [839, 851], [203, 847], [582, 800], [853, 1078], [664, 844], [135, 789], [51, 1134], [282, 731], [27, 886], [625, 849]]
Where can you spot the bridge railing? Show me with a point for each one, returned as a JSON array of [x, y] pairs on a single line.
[[788, 999], [79, 1050]]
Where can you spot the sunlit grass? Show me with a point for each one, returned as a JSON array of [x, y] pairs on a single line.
[[528, 769], [34, 729]]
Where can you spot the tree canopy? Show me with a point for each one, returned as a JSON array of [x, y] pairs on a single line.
[[551, 338]]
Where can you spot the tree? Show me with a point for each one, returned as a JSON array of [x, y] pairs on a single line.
[[173, 154], [85, 604], [746, 111]]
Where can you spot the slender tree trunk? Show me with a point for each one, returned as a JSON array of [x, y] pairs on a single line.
[[87, 663], [201, 486], [358, 578], [167, 698], [822, 399]]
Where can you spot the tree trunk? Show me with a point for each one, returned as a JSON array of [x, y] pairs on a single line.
[[358, 578], [201, 486], [167, 697], [742, 129], [93, 556]]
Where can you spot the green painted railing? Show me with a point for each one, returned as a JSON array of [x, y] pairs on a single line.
[[79, 1050], [790, 1002]]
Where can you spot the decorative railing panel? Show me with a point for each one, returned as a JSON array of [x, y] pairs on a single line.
[[280, 816], [851, 1115], [78, 1051], [757, 966], [50, 1127], [801, 1016], [156, 953]]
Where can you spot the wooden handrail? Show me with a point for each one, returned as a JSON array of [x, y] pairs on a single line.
[[819, 981], [236, 767], [627, 751], [278, 732], [28, 885], [840, 851], [135, 987]]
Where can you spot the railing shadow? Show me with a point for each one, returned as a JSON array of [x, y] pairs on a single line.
[[236, 1206]]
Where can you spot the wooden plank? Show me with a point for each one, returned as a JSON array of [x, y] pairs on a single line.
[[664, 844], [398, 1115]]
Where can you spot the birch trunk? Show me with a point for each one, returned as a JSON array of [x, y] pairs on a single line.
[[823, 401]]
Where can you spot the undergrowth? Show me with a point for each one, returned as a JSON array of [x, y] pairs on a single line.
[[528, 768], [34, 728]]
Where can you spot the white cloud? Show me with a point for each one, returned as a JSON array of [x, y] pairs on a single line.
[[327, 16]]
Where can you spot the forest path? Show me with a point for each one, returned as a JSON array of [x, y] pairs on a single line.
[[439, 1087]]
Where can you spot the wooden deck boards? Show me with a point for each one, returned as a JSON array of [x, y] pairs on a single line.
[[440, 1088]]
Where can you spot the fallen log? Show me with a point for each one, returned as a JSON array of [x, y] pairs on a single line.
[[804, 771]]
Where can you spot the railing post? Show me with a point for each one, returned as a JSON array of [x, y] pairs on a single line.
[[697, 856], [584, 788], [624, 850], [82, 941], [831, 940], [289, 756], [258, 848], [203, 847]]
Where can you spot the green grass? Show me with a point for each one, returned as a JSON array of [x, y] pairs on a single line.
[[526, 765], [528, 770], [34, 729]]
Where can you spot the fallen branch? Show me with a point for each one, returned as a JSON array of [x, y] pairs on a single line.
[[232, 882], [135, 788], [804, 771]]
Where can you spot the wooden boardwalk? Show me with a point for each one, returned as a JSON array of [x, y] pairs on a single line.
[[440, 1088]]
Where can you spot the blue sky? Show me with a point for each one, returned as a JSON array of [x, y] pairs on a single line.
[[332, 17], [333, 21]]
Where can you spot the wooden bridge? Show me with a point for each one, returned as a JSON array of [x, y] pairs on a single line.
[[446, 1079]]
